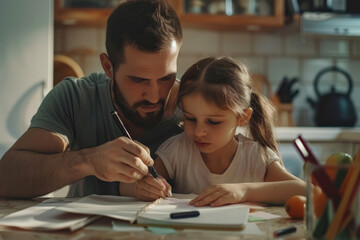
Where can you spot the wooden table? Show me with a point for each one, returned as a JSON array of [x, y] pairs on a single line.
[[102, 229]]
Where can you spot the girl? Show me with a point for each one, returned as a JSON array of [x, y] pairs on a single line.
[[209, 159]]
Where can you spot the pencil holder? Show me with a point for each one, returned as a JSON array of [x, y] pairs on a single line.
[[333, 209]]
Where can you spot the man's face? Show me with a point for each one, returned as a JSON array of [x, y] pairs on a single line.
[[143, 82]]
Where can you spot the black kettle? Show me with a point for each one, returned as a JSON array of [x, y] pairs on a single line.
[[333, 109]]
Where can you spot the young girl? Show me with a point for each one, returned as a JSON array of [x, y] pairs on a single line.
[[209, 159]]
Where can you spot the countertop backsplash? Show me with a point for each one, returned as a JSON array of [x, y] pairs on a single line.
[[272, 54]]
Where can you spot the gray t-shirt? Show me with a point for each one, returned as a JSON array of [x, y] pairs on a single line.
[[79, 110]]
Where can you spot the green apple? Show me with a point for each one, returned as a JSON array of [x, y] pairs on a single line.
[[339, 158], [337, 175]]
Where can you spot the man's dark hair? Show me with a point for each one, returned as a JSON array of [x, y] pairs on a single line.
[[148, 25]]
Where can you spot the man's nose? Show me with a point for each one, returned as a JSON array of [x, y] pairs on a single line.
[[151, 93]]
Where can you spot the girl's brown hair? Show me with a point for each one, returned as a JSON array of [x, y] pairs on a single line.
[[227, 84]]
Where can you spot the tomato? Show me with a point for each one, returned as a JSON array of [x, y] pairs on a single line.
[[295, 206]]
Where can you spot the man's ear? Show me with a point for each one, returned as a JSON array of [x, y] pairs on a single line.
[[106, 65], [245, 117]]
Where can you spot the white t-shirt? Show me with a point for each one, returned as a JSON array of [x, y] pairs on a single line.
[[187, 169]]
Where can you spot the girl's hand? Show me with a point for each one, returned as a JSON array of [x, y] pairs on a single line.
[[221, 194], [150, 188]]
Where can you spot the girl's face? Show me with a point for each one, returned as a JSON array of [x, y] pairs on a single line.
[[209, 127]]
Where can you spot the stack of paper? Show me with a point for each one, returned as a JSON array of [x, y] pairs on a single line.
[[46, 217]]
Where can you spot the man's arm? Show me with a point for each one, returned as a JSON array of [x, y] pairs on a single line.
[[39, 163]]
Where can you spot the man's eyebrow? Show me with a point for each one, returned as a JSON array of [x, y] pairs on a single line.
[[139, 78], [168, 76]]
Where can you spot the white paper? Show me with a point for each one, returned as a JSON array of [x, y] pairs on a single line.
[[45, 217], [131, 209], [229, 216], [117, 207]]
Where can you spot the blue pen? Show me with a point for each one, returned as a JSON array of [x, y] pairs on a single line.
[[124, 132], [284, 231], [187, 214]]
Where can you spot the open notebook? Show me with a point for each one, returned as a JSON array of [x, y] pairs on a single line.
[[157, 213]]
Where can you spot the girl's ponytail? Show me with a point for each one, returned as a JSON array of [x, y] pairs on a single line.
[[261, 122]]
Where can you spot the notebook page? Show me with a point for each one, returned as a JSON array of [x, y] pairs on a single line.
[[229, 216]]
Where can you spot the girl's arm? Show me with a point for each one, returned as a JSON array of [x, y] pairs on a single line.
[[278, 187], [149, 188]]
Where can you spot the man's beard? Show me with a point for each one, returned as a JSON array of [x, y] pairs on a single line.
[[129, 112]]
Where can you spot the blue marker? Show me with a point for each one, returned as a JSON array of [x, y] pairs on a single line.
[[284, 231], [184, 214]]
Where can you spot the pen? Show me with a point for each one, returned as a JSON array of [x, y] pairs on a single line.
[[124, 132], [120, 124], [284, 231], [187, 214], [325, 183]]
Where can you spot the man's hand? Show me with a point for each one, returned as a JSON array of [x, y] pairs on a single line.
[[221, 194], [150, 188], [122, 160]]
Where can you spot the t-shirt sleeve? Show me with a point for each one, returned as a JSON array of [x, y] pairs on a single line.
[[56, 112], [264, 158], [170, 153], [271, 156]]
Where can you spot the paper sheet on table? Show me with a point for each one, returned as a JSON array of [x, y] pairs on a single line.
[[117, 207], [45, 217], [157, 213]]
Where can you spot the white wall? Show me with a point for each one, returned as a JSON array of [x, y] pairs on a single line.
[[26, 63]]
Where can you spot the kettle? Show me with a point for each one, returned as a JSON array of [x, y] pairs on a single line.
[[333, 109]]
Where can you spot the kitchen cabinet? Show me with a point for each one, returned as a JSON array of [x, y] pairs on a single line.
[[80, 16], [211, 14]]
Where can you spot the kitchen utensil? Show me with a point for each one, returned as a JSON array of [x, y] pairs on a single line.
[[333, 108], [285, 92]]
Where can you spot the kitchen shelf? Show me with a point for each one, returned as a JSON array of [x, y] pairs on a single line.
[[91, 17], [233, 22], [98, 17]]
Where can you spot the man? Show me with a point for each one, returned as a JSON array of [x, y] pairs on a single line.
[[73, 138]]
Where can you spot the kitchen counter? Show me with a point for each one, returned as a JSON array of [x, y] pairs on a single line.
[[322, 140], [318, 134]]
